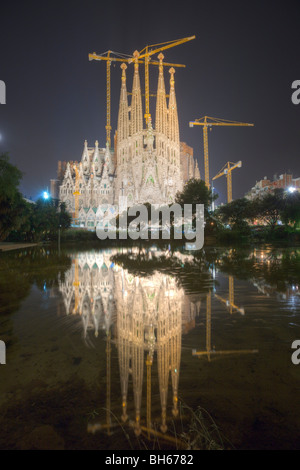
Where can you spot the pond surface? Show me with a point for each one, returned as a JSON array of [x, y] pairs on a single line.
[[150, 348]]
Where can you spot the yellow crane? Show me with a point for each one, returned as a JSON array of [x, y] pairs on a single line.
[[76, 193], [149, 362], [146, 54], [108, 382], [208, 351], [230, 301], [76, 284], [207, 122], [108, 425], [110, 57], [226, 170]]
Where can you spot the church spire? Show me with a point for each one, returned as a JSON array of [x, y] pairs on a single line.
[[136, 102], [85, 160], [123, 117], [173, 115], [161, 118], [108, 160], [85, 153], [96, 160], [96, 157]]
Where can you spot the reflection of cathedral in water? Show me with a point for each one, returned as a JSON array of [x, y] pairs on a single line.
[[88, 290], [147, 315]]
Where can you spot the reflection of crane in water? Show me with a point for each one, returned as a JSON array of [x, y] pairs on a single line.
[[108, 382], [209, 351], [76, 285], [230, 301], [94, 427], [148, 431]]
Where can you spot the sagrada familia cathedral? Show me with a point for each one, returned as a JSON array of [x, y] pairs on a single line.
[[143, 317], [146, 165]]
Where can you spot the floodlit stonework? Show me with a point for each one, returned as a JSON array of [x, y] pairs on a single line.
[[147, 166], [143, 316]]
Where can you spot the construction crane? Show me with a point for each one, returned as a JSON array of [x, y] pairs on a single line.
[[149, 362], [208, 351], [146, 54], [226, 170], [76, 284], [108, 382], [108, 425], [107, 56], [230, 301], [76, 193], [206, 122], [118, 57]]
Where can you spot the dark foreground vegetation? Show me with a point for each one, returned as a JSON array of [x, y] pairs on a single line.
[[25, 221]]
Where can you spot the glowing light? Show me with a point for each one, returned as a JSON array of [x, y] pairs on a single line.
[[291, 189], [46, 195]]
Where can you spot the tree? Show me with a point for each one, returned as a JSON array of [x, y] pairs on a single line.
[[195, 192], [13, 208], [64, 218], [290, 213], [42, 221], [45, 220], [269, 208], [10, 177], [236, 213], [22, 220]]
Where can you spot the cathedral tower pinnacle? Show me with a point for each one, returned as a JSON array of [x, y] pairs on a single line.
[[161, 117], [173, 115], [136, 102], [123, 118]]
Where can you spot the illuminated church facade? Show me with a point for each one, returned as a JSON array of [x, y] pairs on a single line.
[[144, 316], [146, 164]]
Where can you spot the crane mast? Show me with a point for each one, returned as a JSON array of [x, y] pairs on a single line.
[[227, 171], [206, 122], [210, 352], [144, 57], [108, 99], [109, 58], [146, 54]]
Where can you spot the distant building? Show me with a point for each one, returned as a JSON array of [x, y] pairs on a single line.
[[189, 166], [264, 186]]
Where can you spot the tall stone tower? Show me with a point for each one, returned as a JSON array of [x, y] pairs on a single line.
[[148, 159], [147, 164]]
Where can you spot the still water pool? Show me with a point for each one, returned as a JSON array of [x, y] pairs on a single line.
[[150, 348]]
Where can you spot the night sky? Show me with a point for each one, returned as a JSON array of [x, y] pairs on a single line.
[[240, 67]]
